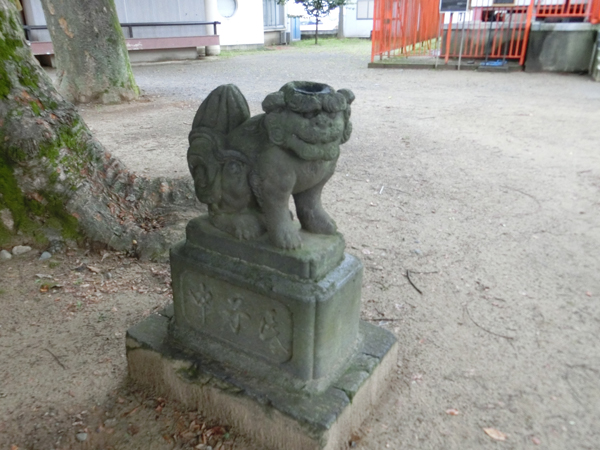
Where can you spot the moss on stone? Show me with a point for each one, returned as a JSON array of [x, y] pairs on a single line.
[[12, 197], [5, 235], [28, 77], [30, 215], [35, 108], [69, 225], [50, 150], [9, 53]]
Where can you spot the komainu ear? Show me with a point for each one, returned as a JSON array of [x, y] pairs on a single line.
[[347, 132], [348, 94], [273, 102], [275, 128]]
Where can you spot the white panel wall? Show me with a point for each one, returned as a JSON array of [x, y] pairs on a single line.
[[132, 11], [244, 27], [34, 15], [354, 27]]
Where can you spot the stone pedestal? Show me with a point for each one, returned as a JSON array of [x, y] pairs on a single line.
[[268, 340]]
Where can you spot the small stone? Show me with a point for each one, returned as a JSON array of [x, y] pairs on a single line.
[[81, 437], [4, 255], [110, 423], [7, 219], [20, 249], [45, 256]]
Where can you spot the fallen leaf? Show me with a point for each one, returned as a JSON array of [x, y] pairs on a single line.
[[94, 269], [129, 413], [495, 434], [49, 285], [452, 412], [187, 436], [43, 275]]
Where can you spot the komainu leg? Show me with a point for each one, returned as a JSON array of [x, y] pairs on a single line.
[[310, 212]]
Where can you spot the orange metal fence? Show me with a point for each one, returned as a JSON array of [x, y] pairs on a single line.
[[594, 16], [563, 8], [489, 33], [406, 27], [412, 27]]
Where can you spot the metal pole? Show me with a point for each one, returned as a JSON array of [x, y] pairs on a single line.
[[527, 28], [439, 39], [448, 39], [462, 39], [506, 47], [488, 39]]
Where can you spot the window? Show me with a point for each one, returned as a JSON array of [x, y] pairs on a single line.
[[272, 14], [364, 9], [227, 8]]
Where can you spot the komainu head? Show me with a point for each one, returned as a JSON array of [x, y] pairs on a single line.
[[310, 119]]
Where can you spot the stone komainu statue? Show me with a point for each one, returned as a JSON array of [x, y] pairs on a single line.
[[245, 168]]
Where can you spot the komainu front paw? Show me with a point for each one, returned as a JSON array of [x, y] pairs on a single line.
[[317, 221], [243, 226], [286, 237]]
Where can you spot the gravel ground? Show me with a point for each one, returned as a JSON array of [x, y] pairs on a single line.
[[485, 186]]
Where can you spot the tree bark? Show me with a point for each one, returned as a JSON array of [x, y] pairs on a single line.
[[91, 55], [55, 177], [340, 33]]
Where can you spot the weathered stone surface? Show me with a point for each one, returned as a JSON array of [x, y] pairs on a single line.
[[7, 219], [20, 249], [45, 255], [319, 254], [246, 168], [4, 255], [276, 418], [264, 331], [295, 332]]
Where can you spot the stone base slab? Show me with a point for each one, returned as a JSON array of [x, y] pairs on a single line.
[[274, 418]]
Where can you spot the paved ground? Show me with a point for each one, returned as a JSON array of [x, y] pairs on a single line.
[[485, 186]]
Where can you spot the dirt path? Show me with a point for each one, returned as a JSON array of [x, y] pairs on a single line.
[[484, 186]]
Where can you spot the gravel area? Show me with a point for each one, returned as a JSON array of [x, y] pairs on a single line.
[[483, 187]]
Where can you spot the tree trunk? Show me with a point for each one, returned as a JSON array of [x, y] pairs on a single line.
[[317, 32], [340, 33], [54, 176], [91, 55]]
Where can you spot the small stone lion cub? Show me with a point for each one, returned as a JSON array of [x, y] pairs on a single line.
[[246, 168]]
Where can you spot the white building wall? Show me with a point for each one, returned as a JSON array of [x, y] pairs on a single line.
[[353, 27], [245, 27], [131, 11]]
